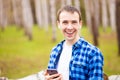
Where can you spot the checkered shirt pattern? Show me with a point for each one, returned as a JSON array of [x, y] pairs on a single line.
[[86, 61]]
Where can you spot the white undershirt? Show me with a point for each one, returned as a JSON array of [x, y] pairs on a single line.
[[63, 64]]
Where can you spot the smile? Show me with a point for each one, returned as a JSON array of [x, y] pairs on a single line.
[[70, 33]]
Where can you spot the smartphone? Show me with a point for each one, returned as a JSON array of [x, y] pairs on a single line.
[[52, 71]]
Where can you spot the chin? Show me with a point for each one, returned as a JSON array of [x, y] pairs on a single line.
[[70, 39]]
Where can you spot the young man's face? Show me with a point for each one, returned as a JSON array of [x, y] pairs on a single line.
[[70, 25]]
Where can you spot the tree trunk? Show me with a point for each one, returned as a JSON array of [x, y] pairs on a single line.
[[17, 12], [38, 11], [97, 12], [62, 3], [45, 14], [77, 4], [27, 18], [69, 2], [104, 14], [94, 31], [8, 8], [88, 14], [94, 19], [112, 14], [118, 23], [3, 15], [53, 19]]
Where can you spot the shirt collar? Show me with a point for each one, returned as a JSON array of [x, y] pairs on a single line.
[[78, 43]]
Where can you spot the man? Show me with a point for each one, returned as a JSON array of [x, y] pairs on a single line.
[[74, 58]]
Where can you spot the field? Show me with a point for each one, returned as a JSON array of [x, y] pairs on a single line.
[[20, 57]]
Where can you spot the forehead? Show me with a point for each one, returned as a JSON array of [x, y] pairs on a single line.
[[64, 15]]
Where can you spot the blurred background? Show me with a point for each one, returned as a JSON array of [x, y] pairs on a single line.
[[28, 32]]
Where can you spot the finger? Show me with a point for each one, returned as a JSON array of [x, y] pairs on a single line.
[[55, 76], [47, 77], [58, 78], [45, 72], [50, 77]]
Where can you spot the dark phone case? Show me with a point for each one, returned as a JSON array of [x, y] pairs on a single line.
[[52, 71]]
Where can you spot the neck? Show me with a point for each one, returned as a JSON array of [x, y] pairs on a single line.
[[71, 42]]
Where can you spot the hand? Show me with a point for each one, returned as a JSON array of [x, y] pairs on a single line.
[[52, 77]]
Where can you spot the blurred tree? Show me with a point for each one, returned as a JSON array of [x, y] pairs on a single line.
[[92, 17], [118, 23], [9, 11], [3, 14], [69, 2], [53, 19], [88, 14], [27, 18], [62, 3], [97, 12], [77, 4], [17, 12], [104, 14], [112, 14], [38, 11], [32, 3], [45, 14]]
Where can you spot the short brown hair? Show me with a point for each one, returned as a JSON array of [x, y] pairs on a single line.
[[69, 8]]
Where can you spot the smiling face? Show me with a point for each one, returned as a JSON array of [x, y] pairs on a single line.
[[70, 25]]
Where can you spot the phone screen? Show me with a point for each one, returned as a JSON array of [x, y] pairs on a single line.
[[52, 71]]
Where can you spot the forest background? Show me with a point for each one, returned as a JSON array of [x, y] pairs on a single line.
[[28, 32]]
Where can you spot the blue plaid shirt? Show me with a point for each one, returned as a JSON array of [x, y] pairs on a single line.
[[86, 61]]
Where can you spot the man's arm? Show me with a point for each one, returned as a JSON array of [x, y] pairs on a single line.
[[96, 67]]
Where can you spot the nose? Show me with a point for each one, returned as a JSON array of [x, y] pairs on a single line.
[[69, 26]]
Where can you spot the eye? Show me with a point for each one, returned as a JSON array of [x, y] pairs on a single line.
[[65, 22], [74, 22]]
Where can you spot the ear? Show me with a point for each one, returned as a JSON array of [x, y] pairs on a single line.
[[80, 25], [58, 24]]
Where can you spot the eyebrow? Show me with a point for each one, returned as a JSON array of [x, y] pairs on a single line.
[[68, 20]]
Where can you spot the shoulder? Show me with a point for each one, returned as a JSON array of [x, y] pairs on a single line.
[[91, 51], [57, 49], [58, 46], [90, 47]]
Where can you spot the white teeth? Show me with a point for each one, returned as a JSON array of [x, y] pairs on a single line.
[[69, 32]]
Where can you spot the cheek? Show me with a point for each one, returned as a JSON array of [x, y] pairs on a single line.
[[79, 27], [62, 28]]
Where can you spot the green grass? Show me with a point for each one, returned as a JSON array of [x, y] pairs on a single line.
[[20, 57]]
